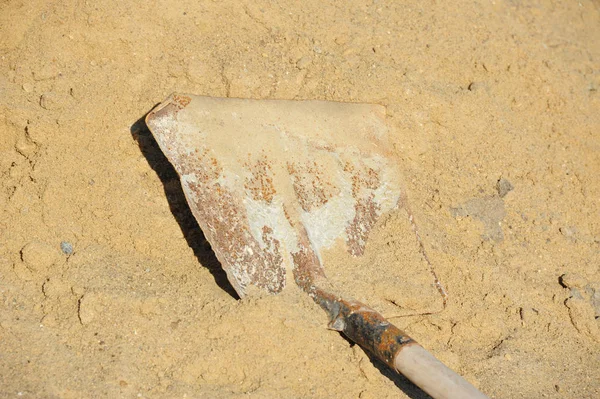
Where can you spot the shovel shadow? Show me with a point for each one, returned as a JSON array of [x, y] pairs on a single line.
[[178, 204]]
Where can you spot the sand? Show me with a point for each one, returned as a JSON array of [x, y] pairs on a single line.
[[108, 288]]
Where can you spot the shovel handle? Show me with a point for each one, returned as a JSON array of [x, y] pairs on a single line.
[[400, 352], [433, 376]]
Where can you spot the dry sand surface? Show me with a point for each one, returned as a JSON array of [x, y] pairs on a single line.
[[108, 288]]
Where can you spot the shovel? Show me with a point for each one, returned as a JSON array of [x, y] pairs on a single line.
[[273, 184]]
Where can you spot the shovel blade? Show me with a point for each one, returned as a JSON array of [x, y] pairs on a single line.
[[275, 183]]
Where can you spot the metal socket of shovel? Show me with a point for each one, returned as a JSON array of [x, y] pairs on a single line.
[[275, 183]]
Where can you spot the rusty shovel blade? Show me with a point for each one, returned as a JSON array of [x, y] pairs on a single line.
[[274, 183]]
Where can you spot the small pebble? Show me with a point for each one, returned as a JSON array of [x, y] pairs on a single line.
[[595, 294], [25, 146], [568, 231], [303, 62], [27, 87], [572, 280], [504, 187], [50, 101], [366, 395], [66, 247], [39, 256], [36, 132]]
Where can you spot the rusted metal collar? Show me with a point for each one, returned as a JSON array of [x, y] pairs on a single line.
[[365, 326]]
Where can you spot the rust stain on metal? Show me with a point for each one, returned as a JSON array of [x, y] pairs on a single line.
[[362, 177], [365, 180], [260, 184], [311, 186], [181, 101], [366, 215], [239, 251], [307, 267]]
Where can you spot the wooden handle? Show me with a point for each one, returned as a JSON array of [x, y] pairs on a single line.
[[392, 346], [432, 376]]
